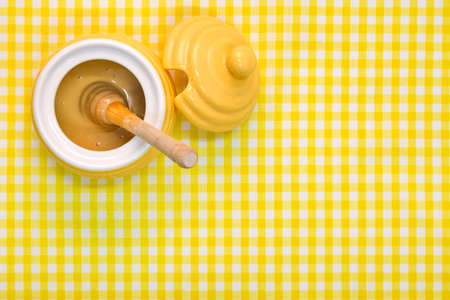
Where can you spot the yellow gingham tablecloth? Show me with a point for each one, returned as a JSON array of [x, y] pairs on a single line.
[[337, 187]]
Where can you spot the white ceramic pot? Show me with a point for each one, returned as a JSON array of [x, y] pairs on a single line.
[[155, 83]]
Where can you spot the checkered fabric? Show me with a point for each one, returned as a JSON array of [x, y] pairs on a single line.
[[337, 187]]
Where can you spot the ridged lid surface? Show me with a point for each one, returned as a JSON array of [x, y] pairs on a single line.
[[222, 71]]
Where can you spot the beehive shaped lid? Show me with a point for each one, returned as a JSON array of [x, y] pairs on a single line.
[[222, 71]]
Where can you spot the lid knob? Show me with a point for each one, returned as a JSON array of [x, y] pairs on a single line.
[[241, 61]]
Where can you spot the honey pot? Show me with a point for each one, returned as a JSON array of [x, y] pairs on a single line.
[[104, 104]]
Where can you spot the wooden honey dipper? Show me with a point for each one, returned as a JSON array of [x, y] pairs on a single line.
[[108, 107]]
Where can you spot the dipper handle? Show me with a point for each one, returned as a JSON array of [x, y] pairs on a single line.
[[110, 110]]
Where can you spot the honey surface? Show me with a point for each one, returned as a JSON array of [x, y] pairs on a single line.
[[70, 103]]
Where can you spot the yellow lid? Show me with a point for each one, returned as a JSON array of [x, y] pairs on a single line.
[[222, 71]]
